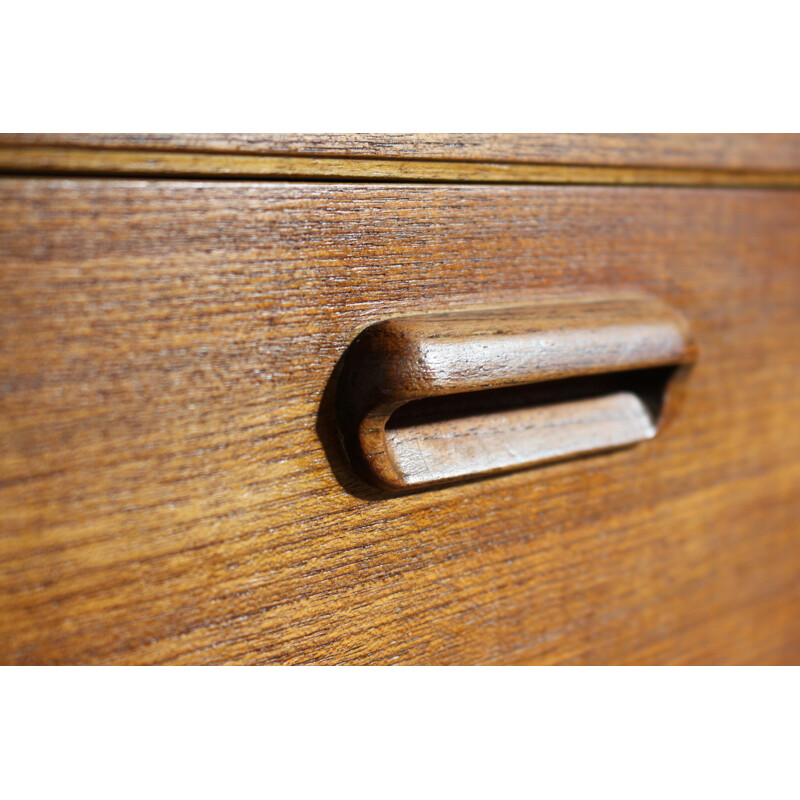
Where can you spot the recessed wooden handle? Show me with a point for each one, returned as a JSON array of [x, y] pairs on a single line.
[[433, 398]]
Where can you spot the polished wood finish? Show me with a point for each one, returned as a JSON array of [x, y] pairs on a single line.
[[171, 489], [537, 348], [716, 151], [139, 163], [432, 450]]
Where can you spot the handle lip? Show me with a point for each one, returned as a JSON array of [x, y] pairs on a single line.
[[412, 357]]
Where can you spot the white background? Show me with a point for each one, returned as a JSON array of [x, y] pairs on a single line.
[[400, 67], [399, 732]]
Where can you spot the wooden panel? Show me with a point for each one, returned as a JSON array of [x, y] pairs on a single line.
[[699, 150], [145, 163], [166, 484]]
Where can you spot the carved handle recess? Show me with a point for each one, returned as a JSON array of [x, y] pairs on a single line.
[[433, 398]]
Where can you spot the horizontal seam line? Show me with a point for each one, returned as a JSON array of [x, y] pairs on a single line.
[[231, 166]]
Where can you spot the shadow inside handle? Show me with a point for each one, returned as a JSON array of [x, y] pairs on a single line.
[[410, 420], [443, 439], [649, 385]]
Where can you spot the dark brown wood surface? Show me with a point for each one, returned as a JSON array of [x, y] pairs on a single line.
[[682, 150], [166, 349]]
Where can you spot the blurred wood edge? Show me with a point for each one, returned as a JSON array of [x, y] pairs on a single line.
[[148, 163]]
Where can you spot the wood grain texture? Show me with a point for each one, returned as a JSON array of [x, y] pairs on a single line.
[[167, 495], [535, 350], [740, 151], [143, 163]]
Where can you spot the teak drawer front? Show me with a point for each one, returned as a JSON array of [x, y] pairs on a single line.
[[166, 492]]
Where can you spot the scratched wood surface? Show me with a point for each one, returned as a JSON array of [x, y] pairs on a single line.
[[752, 151], [169, 482]]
